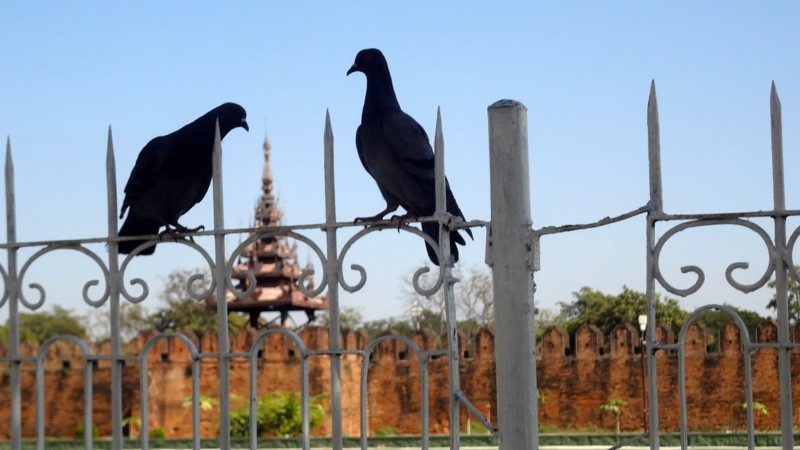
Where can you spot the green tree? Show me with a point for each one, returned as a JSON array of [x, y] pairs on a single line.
[[376, 328], [607, 311], [546, 317], [350, 318], [133, 319], [41, 326], [614, 405], [474, 302], [793, 294], [278, 415], [182, 312], [715, 319]]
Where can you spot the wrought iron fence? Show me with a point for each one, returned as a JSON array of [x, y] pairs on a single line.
[[115, 290], [512, 250]]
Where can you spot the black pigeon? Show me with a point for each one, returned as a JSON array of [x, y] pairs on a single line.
[[396, 152], [172, 174]]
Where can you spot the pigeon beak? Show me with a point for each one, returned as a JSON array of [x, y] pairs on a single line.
[[353, 68], [244, 125]]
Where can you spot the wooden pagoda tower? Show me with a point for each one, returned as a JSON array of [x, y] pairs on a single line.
[[274, 264]]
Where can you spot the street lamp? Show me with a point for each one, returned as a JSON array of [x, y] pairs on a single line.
[[416, 313], [643, 324], [643, 328]]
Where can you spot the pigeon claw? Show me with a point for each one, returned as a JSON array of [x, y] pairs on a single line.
[[171, 230], [403, 219], [374, 218]]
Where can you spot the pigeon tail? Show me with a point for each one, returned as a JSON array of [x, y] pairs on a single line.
[[137, 226], [432, 230]]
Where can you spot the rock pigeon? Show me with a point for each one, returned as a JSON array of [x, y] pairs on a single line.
[[172, 174], [396, 152]]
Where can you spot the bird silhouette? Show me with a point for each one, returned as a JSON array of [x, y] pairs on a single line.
[[172, 174], [396, 152]]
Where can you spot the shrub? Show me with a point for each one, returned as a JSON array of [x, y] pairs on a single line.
[[386, 431], [158, 433], [278, 415], [80, 428]]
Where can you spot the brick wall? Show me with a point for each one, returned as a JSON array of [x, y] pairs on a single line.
[[576, 375]]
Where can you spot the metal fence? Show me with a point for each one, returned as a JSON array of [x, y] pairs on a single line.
[[512, 251]]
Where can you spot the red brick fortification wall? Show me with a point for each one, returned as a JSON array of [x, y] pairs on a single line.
[[576, 376]]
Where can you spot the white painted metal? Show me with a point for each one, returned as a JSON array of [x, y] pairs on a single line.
[[112, 285], [221, 274], [656, 208], [509, 254], [12, 294], [781, 282], [448, 293], [333, 271]]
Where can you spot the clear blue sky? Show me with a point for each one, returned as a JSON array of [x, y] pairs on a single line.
[[69, 70]]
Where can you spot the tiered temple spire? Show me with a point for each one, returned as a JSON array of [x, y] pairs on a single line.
[[273, 262]]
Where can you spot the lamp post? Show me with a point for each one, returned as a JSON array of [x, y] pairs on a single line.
[[643, 328]]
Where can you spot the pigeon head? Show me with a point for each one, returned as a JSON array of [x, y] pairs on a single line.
[[230, 116], [369, 61]]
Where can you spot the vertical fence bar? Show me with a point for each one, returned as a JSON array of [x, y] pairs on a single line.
[[509, 256], [656, 209], [446, 266], [40, 421], [424, 407], [781, 292], [13, 305], [144, 427], [113, 274], [253, 401], [220, 274], [333, 288], [195, 402], [88, 394]]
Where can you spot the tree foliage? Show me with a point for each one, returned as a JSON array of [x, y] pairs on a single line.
[[182, 312], [714, 320], [133, 319], [350, 318], [793, 295], [474, 302], [278, 415], [607, 311], [41, 326]]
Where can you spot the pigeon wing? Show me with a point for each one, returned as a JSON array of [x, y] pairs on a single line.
[[391, 201], [147, 164], [410, 144]]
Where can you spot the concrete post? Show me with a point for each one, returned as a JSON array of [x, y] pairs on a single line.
[[510, 254]]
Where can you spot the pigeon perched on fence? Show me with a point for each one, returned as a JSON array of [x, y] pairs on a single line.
[[396, 152], [172, 174]]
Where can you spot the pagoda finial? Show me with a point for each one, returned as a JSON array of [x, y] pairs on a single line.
[[266, 177], [267, 212]]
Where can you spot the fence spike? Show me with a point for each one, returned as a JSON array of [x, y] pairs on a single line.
[[654, 150], [111, 185], [776, 125], [333, 271], [438, 146], [330, 186]]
